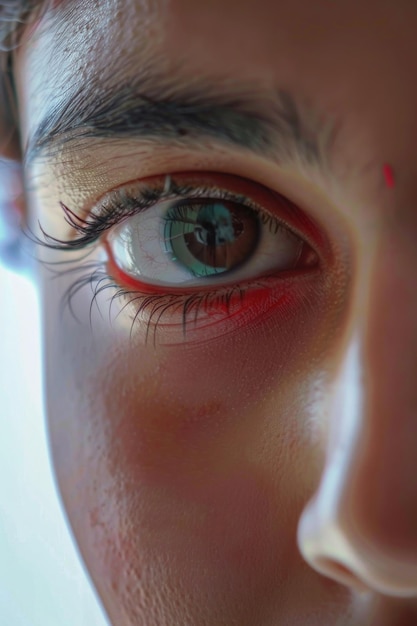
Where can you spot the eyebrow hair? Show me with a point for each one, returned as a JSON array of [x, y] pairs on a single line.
[[276, 125]]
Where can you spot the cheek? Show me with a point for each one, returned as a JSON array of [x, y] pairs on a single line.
[[170, 458]]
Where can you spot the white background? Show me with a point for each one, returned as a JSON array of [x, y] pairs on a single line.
[[42, 580]]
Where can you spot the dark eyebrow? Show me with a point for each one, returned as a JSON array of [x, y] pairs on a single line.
[[273, 125]]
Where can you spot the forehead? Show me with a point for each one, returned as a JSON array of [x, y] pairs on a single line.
[[262, 38], [355, 64], [329, 50]]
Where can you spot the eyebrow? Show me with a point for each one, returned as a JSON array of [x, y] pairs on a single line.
[[279, 126]]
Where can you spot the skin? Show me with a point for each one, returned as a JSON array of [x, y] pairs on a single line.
[[265, 472]]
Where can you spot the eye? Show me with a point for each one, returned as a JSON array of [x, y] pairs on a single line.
[[202, 242], [212, 249], [199, 233]]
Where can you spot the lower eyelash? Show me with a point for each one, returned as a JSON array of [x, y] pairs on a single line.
[[155, 305], [96, 275], [160, 304]]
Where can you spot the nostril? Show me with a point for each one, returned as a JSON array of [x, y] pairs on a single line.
[[340, 573]]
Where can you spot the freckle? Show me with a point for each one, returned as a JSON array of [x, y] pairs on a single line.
[[389, 175]]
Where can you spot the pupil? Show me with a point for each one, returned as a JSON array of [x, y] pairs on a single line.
[[214, 226]]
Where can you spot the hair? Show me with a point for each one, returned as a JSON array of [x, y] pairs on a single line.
[[15, 15]]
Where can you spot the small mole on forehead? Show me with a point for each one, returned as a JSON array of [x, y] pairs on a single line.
[[388, 175]]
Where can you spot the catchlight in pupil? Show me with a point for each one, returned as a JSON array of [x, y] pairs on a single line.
[[211, 237]]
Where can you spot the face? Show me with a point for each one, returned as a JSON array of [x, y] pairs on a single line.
[[228, 201]]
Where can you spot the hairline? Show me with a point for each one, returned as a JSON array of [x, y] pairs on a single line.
[[15, 17]]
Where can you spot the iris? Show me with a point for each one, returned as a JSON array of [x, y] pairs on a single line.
[[211, 237]]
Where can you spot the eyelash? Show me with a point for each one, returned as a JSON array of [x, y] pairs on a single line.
[[123, 204], [120, 205]]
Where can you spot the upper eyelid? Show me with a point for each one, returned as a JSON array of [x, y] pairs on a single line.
[[135, 196], [124, 205]]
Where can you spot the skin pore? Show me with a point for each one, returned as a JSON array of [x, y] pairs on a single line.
[[261, 470]]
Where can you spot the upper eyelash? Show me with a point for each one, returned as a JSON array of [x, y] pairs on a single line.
[[123, 204]]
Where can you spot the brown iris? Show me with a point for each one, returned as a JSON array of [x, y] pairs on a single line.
[[211, 237]]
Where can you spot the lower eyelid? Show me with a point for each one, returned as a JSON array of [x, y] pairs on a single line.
[[307, 259], [176, 316], [199, 317]]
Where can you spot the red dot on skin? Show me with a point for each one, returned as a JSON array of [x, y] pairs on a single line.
[[388, 175]]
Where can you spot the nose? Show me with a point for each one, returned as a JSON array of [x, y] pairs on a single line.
[[360, 527]]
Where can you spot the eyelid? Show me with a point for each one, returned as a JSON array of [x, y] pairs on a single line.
[[131, 200]]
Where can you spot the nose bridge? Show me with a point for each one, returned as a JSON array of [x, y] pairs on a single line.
[[362, 522], [386, 501], [389, 327]]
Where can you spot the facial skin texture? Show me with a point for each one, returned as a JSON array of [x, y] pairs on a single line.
[[263, 474]]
